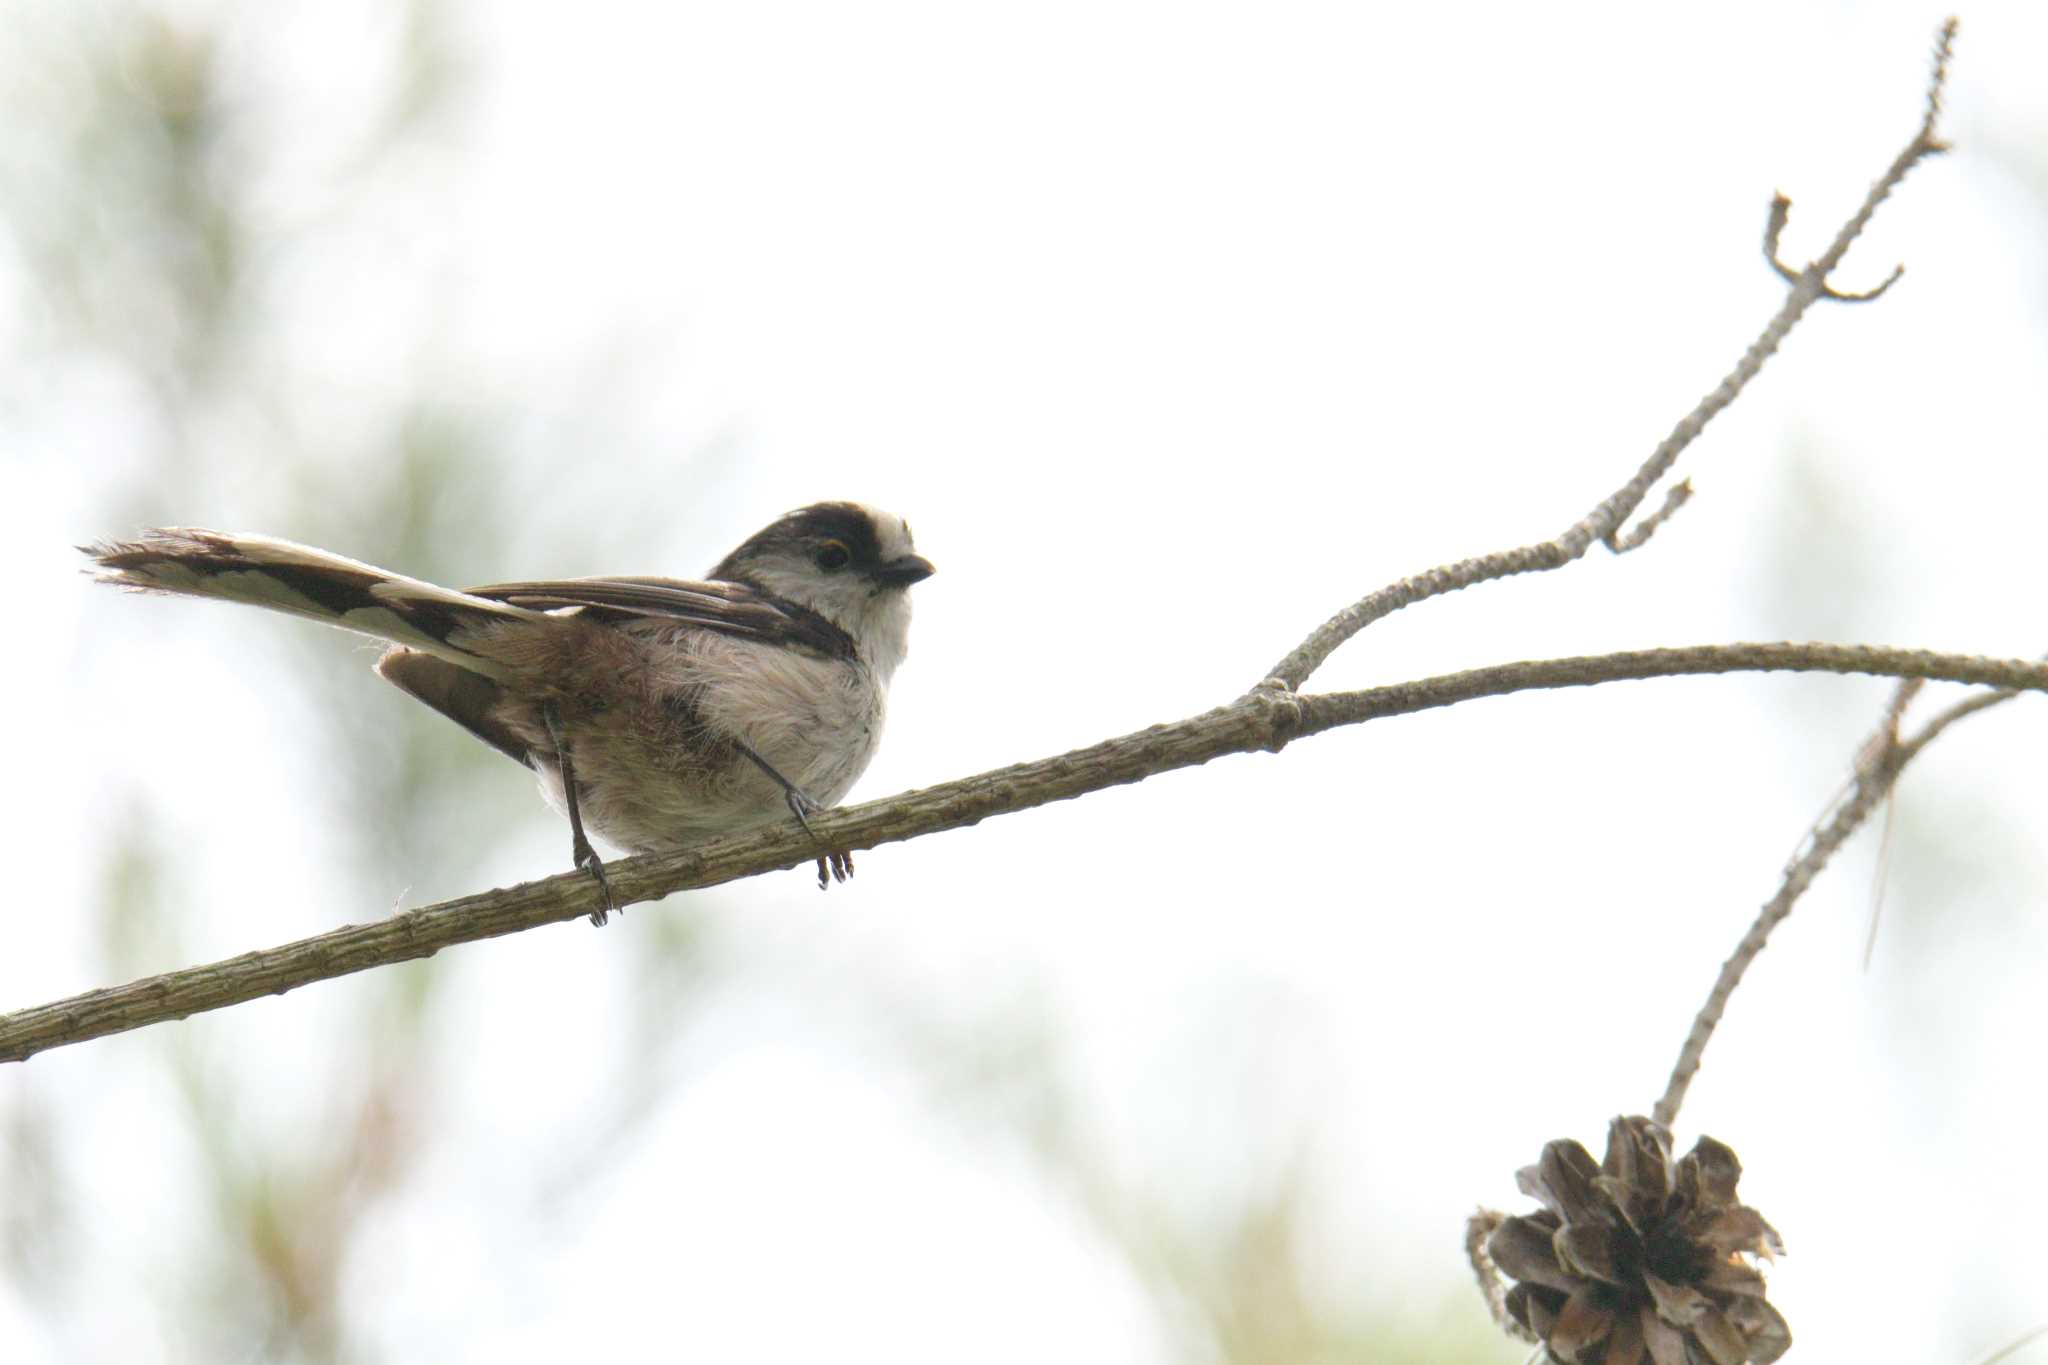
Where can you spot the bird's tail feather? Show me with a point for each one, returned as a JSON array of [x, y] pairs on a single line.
[[264, 572]]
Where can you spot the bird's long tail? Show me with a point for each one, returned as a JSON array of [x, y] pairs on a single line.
[[263, 572]]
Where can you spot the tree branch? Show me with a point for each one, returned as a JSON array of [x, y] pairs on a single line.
[[1261, 720], [1883, 758], [1604, 522]]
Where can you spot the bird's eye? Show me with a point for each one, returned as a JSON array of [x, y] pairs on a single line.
[[832, 556]]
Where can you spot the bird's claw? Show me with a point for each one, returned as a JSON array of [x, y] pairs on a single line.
[[586, 857], [840, 865], [801, 807], [832, 867]]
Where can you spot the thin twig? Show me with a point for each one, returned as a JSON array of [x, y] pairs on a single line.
[[1780, 213], [1678, 496], [1260, 721], [1968, 706], [1883, 757], [1774, 230], [1328, 710], [1605, 521]]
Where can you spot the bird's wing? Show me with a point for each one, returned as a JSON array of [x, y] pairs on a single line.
[[736, 609]]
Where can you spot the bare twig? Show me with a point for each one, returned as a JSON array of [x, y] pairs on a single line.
[[1259, 721], [1937, 83], [1328, 710], [1604, 522], [1968, 706], [1774, 230], [1679, 495], [1878, 765]]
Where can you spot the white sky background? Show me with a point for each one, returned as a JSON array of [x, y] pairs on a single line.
[[1172, 329]]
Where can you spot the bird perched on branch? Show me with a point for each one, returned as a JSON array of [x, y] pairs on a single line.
[[657, 711]]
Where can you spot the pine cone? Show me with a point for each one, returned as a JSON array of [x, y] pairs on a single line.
[[1638, 1259]]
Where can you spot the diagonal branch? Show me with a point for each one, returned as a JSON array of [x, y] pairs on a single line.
[[1605, 521], [1261, 721], [1883, 758]]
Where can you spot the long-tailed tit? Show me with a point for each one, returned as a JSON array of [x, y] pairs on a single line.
[[657, 711]]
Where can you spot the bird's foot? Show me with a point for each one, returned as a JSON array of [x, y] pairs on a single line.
[[832, 867], [586, 857], [840, 865], [801, 806]]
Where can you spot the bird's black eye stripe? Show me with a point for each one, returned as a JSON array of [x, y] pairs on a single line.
[[832, 556]]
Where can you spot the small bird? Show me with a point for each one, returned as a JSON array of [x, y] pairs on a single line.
[[656, 711]]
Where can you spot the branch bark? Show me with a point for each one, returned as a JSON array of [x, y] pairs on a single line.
[[1261, 720]]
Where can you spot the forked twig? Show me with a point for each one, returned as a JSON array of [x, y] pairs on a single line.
[[1774, 229], [1924, 144], [1604, 522]]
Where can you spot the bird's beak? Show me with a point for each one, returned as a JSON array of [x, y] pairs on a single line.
[[901, 573]]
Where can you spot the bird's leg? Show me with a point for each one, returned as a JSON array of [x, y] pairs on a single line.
[[579, 845], [801, 805]]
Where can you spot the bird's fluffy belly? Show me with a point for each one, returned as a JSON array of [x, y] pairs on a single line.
[[665, 772]]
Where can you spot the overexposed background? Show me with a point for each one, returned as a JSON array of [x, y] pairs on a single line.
[[1171, 328]]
